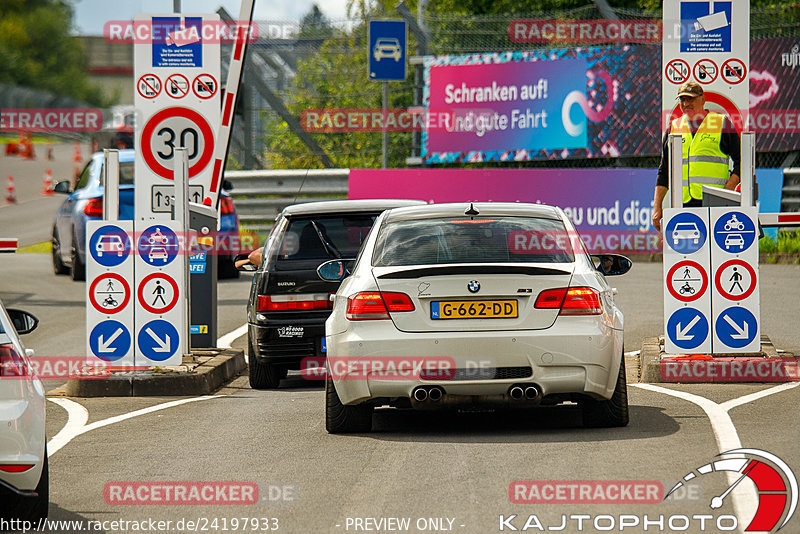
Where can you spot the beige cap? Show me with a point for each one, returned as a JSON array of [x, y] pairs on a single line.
[[690, 88]]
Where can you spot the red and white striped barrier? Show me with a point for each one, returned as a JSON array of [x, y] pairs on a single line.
[[779, 219], [8, 244]]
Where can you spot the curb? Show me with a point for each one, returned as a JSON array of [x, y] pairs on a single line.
[[652, 359], [203, 372]]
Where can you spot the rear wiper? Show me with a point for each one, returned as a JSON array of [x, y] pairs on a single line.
[[332, 251]]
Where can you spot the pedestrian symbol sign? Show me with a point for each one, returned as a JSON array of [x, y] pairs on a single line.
[[734, 232], [736, 327], [687, 281], [158, 340], [109, 293], [688, 329], [110, 340], [736, 280], [158, 293]]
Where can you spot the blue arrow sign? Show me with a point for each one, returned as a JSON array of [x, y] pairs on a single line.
[[687, 328], [387, 50], [158, 245], [736, 327], [158, 340], [109, 245], [110, 340], [685, 233], [734, 232]]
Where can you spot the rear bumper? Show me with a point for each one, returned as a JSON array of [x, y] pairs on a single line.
[[22, 441], [578, 355], [286, 343]]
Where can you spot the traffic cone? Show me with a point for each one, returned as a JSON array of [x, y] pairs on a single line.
[[29, 152], [47, 185], [77, 157], [11, 191]]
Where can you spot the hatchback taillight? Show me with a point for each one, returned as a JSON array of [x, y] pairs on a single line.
[[372, 305], [570, 301], [226, 206], [94, 208], [298, 302], [11, 364], [15, 468]]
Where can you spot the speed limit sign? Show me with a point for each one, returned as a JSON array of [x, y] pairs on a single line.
[[178, 116], [177, 127]]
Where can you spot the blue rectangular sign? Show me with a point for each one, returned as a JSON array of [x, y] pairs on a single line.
[[197, 268], [388, 40], [176, 46]]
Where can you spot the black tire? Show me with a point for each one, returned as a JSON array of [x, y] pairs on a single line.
[[78, 267], [341, 419], [612, 412], [226, 268], [58, 265], [263, 375], [30, 508]]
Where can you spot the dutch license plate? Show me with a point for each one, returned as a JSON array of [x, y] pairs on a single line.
[[474, 309]]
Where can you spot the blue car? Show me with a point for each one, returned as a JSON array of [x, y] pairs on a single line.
[[85, 202]]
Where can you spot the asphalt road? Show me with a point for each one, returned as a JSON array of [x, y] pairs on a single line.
[[426, 467]]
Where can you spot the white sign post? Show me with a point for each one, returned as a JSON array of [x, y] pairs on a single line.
[[687, 295], [734, 264], [708, 42], [177, 77]]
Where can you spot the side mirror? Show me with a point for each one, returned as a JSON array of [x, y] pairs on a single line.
[[333, 271], [24, 322], [63, 187], [612, 264]]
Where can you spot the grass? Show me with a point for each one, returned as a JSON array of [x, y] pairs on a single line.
[[787, 243], [38, 248]]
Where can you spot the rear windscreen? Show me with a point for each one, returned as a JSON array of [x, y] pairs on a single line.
[[473, 240], [125, 173], [324, 238]]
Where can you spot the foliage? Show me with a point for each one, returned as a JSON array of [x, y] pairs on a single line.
[[788, 242], [37, 50]]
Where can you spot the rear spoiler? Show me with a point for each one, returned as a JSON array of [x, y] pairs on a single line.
[[446, 270], [8, 244]]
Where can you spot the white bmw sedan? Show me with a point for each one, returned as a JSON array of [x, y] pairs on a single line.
[[465, 305], [24, 481]]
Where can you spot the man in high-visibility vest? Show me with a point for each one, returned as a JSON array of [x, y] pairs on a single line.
[[709, 141]]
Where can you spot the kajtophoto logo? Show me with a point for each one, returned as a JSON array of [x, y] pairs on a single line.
[[775, 484]]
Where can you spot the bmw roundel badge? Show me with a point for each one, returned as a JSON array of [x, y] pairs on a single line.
[[474, 286]]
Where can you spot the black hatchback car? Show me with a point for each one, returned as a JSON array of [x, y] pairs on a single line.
[[289, 303]]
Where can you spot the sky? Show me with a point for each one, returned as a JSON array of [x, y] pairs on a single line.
[[91, 15]]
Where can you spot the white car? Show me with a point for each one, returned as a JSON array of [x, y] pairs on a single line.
[[494, 304], [686, 231], [387, 47], [24, 479]]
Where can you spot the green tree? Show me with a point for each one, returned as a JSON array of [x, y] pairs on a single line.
[[37, 50]]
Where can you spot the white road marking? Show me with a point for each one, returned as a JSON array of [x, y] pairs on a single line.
[[745, 502], [78, 416]]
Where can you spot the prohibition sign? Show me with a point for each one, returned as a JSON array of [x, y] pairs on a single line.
[[177, 86], [705, 71], [206, 134], [677, 71], [204, 86], [169, 305], [122, 302], [734, 71], [694, 296], [149, 86], [738, 263]]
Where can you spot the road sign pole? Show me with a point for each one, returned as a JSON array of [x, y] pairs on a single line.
[[675, 171], [748, 167], [182, 218], [385, 131], [110, 184]]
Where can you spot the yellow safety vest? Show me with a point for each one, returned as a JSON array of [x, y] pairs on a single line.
[[703, 161]]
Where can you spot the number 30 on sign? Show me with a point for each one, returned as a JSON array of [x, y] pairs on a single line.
[[177, 127]]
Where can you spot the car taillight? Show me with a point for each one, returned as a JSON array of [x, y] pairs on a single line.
[[94, 208], [308, 301], [570, 301], [377, 305], [226, 206], [10, 362], [15, 468]]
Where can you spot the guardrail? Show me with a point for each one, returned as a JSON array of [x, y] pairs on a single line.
[[261, 195]]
